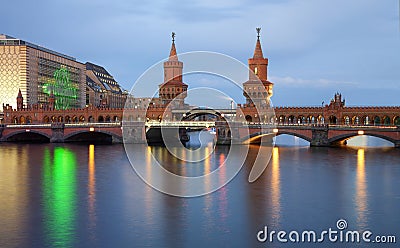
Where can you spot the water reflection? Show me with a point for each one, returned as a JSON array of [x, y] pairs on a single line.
[[148, 193], [222, 198], [14, 193], [361, 190], [59, 196], [42, 205], [275, 186], [91, 189]]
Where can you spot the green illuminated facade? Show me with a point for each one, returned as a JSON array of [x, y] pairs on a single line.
[[62, 88]]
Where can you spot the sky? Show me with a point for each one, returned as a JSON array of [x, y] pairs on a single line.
[[315, 47]]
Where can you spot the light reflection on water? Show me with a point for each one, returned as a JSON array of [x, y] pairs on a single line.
[[88, 196], [59, 196], [14, 201], [275, 186], [91, 190], [361, 190]]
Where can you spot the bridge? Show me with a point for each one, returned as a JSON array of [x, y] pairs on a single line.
[[235, 133], [334, 135], [62, 132]]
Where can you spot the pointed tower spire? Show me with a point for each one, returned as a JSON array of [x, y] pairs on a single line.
[[20, 100], [173, 87], [51, 100], [258, 75], [172, 53], [19, 93], [258, 54]]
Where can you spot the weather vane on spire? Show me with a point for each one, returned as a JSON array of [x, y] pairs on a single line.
[[173, 36], [258, 33]]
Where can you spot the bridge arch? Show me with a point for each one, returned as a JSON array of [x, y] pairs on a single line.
[[22, 119], [291, 119], [306, 138], [23, 136], [355, 120], [311, 119], [95, 136], [197, 112], [46, 119], [255, 138], [333, 120], [301, 119], [249, 118], [396, 121], [341, 139], [377, 120], [386, 120], [366, 120], [346, 120]]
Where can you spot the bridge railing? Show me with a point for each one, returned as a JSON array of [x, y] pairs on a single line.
[[48, 125], [180, 124], [97, 124], [323, 125], [364, 126], [27, 125], [199, 124]]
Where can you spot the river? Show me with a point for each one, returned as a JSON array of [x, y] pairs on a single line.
[[75, 195]]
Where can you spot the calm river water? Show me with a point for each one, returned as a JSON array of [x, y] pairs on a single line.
[[70, 195]]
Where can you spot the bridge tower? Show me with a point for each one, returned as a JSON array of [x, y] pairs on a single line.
[[173, 87], [258, 71]]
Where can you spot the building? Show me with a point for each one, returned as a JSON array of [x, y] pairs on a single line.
[[101, 88], [173, 88], [105, 96], [38, 73], [258, 90]]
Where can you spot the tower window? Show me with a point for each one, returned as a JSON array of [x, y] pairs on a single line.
[[256, 70]]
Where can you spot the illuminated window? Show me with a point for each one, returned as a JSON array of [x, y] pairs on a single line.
[[256, 70]]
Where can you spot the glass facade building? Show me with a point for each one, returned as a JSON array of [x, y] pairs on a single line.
[[39, 72]]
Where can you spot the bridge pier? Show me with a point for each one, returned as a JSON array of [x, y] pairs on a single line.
[[134, 133], [57, 130], [320, 136], [223, 133], [235, 128]]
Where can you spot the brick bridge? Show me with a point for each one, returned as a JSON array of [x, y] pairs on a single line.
[[316, 134], [60, 132], [330, 135]]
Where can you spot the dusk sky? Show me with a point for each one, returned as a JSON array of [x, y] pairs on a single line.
[[315, 47]]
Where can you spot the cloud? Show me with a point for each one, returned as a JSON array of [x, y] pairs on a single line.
[[320, 82], [319, 43]]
